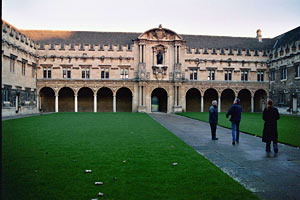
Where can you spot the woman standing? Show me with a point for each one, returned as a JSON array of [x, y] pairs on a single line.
[[270, 116]]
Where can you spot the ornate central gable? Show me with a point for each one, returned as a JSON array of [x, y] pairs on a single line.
[[160, 34]]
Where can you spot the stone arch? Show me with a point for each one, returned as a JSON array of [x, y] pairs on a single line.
[[245, 99], [260, 98], [85, 99], [66, 99], [105, 100], [159, 100], [162, 87], [227, 98], [209, 95], [47, 99], [124, 100], [193, 100]]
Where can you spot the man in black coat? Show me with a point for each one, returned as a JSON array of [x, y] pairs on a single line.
[[213, 119], [236, 112], [270, 116]]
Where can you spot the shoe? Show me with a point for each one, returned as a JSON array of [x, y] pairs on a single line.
[[268, 150], [215, 138], [233, 142], [275, 150], [237, 141]]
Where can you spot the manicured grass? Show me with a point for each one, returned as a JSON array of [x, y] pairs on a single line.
[[252, 123], [44, 157]]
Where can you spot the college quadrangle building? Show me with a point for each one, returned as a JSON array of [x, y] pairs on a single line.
[[158, 70]]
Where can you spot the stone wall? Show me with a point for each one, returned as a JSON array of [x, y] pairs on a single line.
[[19, 61]]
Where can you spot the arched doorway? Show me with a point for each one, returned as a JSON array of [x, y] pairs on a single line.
[[260, 98], [105, 100], [193, 100], [227, 98], [47, 100], [66, 100], [85, 100], [245, 100], [209, 95], [159, 100], [124, 100]]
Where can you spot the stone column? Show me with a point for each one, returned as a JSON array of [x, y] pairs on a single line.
[[17, 103], [95, 102], [140, 95], [175, 95], [38, 102], [178, 95], [114, 103], [76, 102], [178, 52], [219, 104], [252, 103], [175, 54], [56, 103], [143, 96], [202, 103]]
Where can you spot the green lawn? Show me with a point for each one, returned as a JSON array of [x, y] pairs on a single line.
[[252, 123], [44, 157]]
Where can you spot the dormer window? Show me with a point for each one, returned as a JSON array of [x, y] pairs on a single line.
[[222, 52], [248, 52], [239, 52], [214, 52]]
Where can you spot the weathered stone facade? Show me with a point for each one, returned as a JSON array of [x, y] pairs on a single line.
[[157, 70], [19, 61], [285, 68]]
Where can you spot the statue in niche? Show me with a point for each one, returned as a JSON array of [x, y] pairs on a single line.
[[159, 58]]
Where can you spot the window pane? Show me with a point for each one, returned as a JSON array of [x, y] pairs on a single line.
[[49, 72], [45, 73]]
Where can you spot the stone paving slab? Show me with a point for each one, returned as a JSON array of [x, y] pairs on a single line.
[[23, 115], [270, 176]]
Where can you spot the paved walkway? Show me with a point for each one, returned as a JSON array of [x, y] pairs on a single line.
[[24, 115], [269, 176]]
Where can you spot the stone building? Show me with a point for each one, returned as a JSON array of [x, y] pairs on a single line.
[[158, 70], [284, 66]]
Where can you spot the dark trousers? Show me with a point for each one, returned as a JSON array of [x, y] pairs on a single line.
[[213, 128], [268, 146]]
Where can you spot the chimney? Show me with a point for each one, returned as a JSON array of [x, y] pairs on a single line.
[[258, 35]]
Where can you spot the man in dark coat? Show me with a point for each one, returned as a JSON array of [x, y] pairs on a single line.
[[236, 112], [270, 116], [213, 119]]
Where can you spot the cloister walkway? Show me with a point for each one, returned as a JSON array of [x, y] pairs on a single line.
[[269, 176]]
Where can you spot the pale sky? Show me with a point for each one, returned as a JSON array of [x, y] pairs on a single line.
[[197, 17]]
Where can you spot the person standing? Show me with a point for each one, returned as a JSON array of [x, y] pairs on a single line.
[[213, 119], [236, 112], [270, 116]]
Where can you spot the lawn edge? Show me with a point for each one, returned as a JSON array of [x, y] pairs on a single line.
[[242, 131]]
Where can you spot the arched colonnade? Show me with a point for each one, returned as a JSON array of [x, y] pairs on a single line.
[[106, 99], [200, 100]]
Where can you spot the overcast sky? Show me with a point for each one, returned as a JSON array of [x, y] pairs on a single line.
[[197, 17]]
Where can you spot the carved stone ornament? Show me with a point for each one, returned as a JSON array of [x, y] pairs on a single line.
[[159, 71]]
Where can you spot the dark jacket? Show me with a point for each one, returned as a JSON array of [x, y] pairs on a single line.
[[235, 111], [270, 116], [213, 115]]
